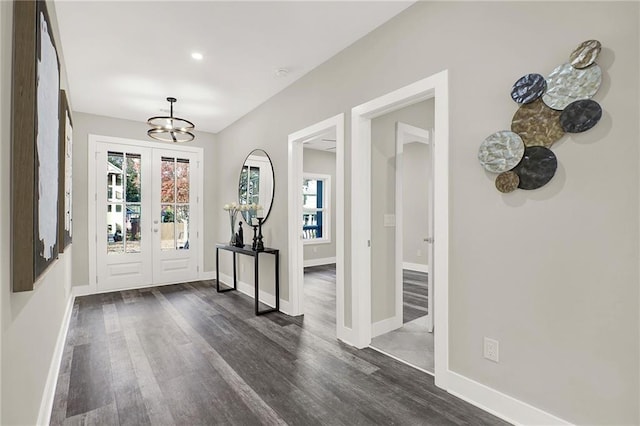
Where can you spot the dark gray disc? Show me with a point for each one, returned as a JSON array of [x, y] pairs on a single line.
[[580, 116], [528, 88], [537, 167]]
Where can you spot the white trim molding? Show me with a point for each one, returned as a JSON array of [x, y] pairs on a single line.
[[417, 267], [266, 298], [46, 404], [318, 262], [295, 254], [499, 404], [386, 325], [435, 86]]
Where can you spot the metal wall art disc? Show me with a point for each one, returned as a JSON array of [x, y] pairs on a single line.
[[501, 151], [537, 124], [585, 54], [507, 181], [528, 88], [580, 116], [566, 84], [537, 167]]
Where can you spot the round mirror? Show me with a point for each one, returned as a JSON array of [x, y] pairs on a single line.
[[256, 185]]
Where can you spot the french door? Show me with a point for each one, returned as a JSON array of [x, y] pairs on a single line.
[[147, 215]]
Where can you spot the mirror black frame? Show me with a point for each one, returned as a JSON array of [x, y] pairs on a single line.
[[273, 192]]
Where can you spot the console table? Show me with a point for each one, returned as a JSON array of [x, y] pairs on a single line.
[[246, 250]]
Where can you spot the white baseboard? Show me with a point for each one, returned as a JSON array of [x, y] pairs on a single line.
[[345, 335], [46, 404], [249, 290], [208, 275], [386, 325], [418, 267], [318, 262], [495, 402]]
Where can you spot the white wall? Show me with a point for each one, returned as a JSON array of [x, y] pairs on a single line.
[[85, 124], [553, 273], [322, 162], [30, 321]]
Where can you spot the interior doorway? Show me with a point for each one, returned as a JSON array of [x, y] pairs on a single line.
[[435, 86], [411, 339], [316, 219], [145, 213]]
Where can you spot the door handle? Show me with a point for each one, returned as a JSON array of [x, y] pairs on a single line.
[[428, 240], [155, 229]]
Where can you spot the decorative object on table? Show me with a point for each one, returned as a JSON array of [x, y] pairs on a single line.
[[256, 184], [170, 128], [259, 242], [548, 109], [239, 236], [255, 234], [35, 162], [233, 209]]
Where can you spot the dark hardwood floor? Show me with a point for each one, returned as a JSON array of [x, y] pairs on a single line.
[[414, 295], [186, 355]]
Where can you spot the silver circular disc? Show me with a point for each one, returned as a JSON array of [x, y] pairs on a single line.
[[567, 84], [501, 151]]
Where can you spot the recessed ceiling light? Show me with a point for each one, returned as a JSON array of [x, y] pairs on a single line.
[[197, 56]]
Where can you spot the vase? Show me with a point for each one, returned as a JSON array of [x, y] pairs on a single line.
[[232, 219]]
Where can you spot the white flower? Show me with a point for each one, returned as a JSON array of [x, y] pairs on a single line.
[[226, 207]]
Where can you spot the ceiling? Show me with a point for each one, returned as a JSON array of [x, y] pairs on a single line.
[[323, 142], [123, 59]]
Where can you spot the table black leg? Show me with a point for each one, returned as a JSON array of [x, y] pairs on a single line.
[[217, 270], [255, 273], [235, 277], [218, 273], [277, 281]]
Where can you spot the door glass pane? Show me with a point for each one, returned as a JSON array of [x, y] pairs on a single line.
[[182, 227], [167, 228], [167, 190], [115, 237], [182, 180], [133, 228], [133, 178], [115, 160]]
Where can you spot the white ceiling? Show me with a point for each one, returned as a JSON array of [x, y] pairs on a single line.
[[323, 142], [124, 58]]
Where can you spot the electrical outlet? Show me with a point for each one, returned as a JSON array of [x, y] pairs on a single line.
[[491, 349], [419, 253]]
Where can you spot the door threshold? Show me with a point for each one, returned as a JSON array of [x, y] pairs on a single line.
[[402, 361]]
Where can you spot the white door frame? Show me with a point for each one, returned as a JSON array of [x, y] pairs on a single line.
[[434, 86], [93, 141], [406, 133], [296, 246]]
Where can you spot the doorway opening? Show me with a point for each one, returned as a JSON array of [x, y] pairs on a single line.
[[408, 337], [436, 87], [316, 223]]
